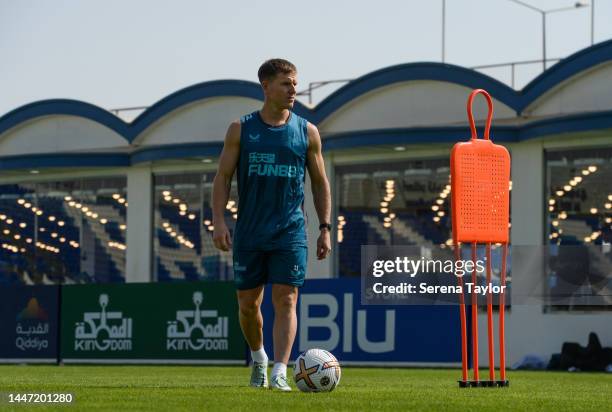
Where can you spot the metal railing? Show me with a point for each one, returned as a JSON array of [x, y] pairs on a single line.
[[122, 111], [317, 85], [312, 86], [511, 65]]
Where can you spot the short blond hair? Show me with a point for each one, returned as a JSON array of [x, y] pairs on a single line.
[[270, 68]]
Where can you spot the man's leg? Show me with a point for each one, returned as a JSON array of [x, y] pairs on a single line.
[[284, 299], [286, 272], [251, 323]]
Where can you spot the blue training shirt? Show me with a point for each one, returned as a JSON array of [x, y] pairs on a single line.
[[271, 173]]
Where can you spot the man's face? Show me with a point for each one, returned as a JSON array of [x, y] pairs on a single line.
[[281, 90]]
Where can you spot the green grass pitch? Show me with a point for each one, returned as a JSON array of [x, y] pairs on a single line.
[[168, 388]]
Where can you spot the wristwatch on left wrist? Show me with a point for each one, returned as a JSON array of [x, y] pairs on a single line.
[[325, 226]]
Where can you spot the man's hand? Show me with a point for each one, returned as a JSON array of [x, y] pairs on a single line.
[[222, 238], [323, 244]]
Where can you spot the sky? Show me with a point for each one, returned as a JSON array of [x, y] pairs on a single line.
[[123, 53]]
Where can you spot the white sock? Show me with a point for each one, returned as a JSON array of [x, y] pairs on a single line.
[[259, 356], [279, 369]]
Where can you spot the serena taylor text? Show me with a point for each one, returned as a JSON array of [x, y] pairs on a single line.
[[424, 288]]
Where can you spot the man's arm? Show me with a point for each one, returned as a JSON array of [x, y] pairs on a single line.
[[222, 185], [320, 189]]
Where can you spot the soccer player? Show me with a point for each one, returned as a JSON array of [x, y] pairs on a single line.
[[271, 148]]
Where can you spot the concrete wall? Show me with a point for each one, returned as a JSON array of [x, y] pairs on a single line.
[[203, 121], [58, 133], [410, 104], [139, 237], [588, 91]]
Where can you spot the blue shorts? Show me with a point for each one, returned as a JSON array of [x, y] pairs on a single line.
[[285, 266]]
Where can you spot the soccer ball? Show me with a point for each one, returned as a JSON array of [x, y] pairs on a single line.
[[316, 370]]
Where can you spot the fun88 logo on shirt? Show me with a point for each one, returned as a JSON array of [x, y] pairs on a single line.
[[264, 164]]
